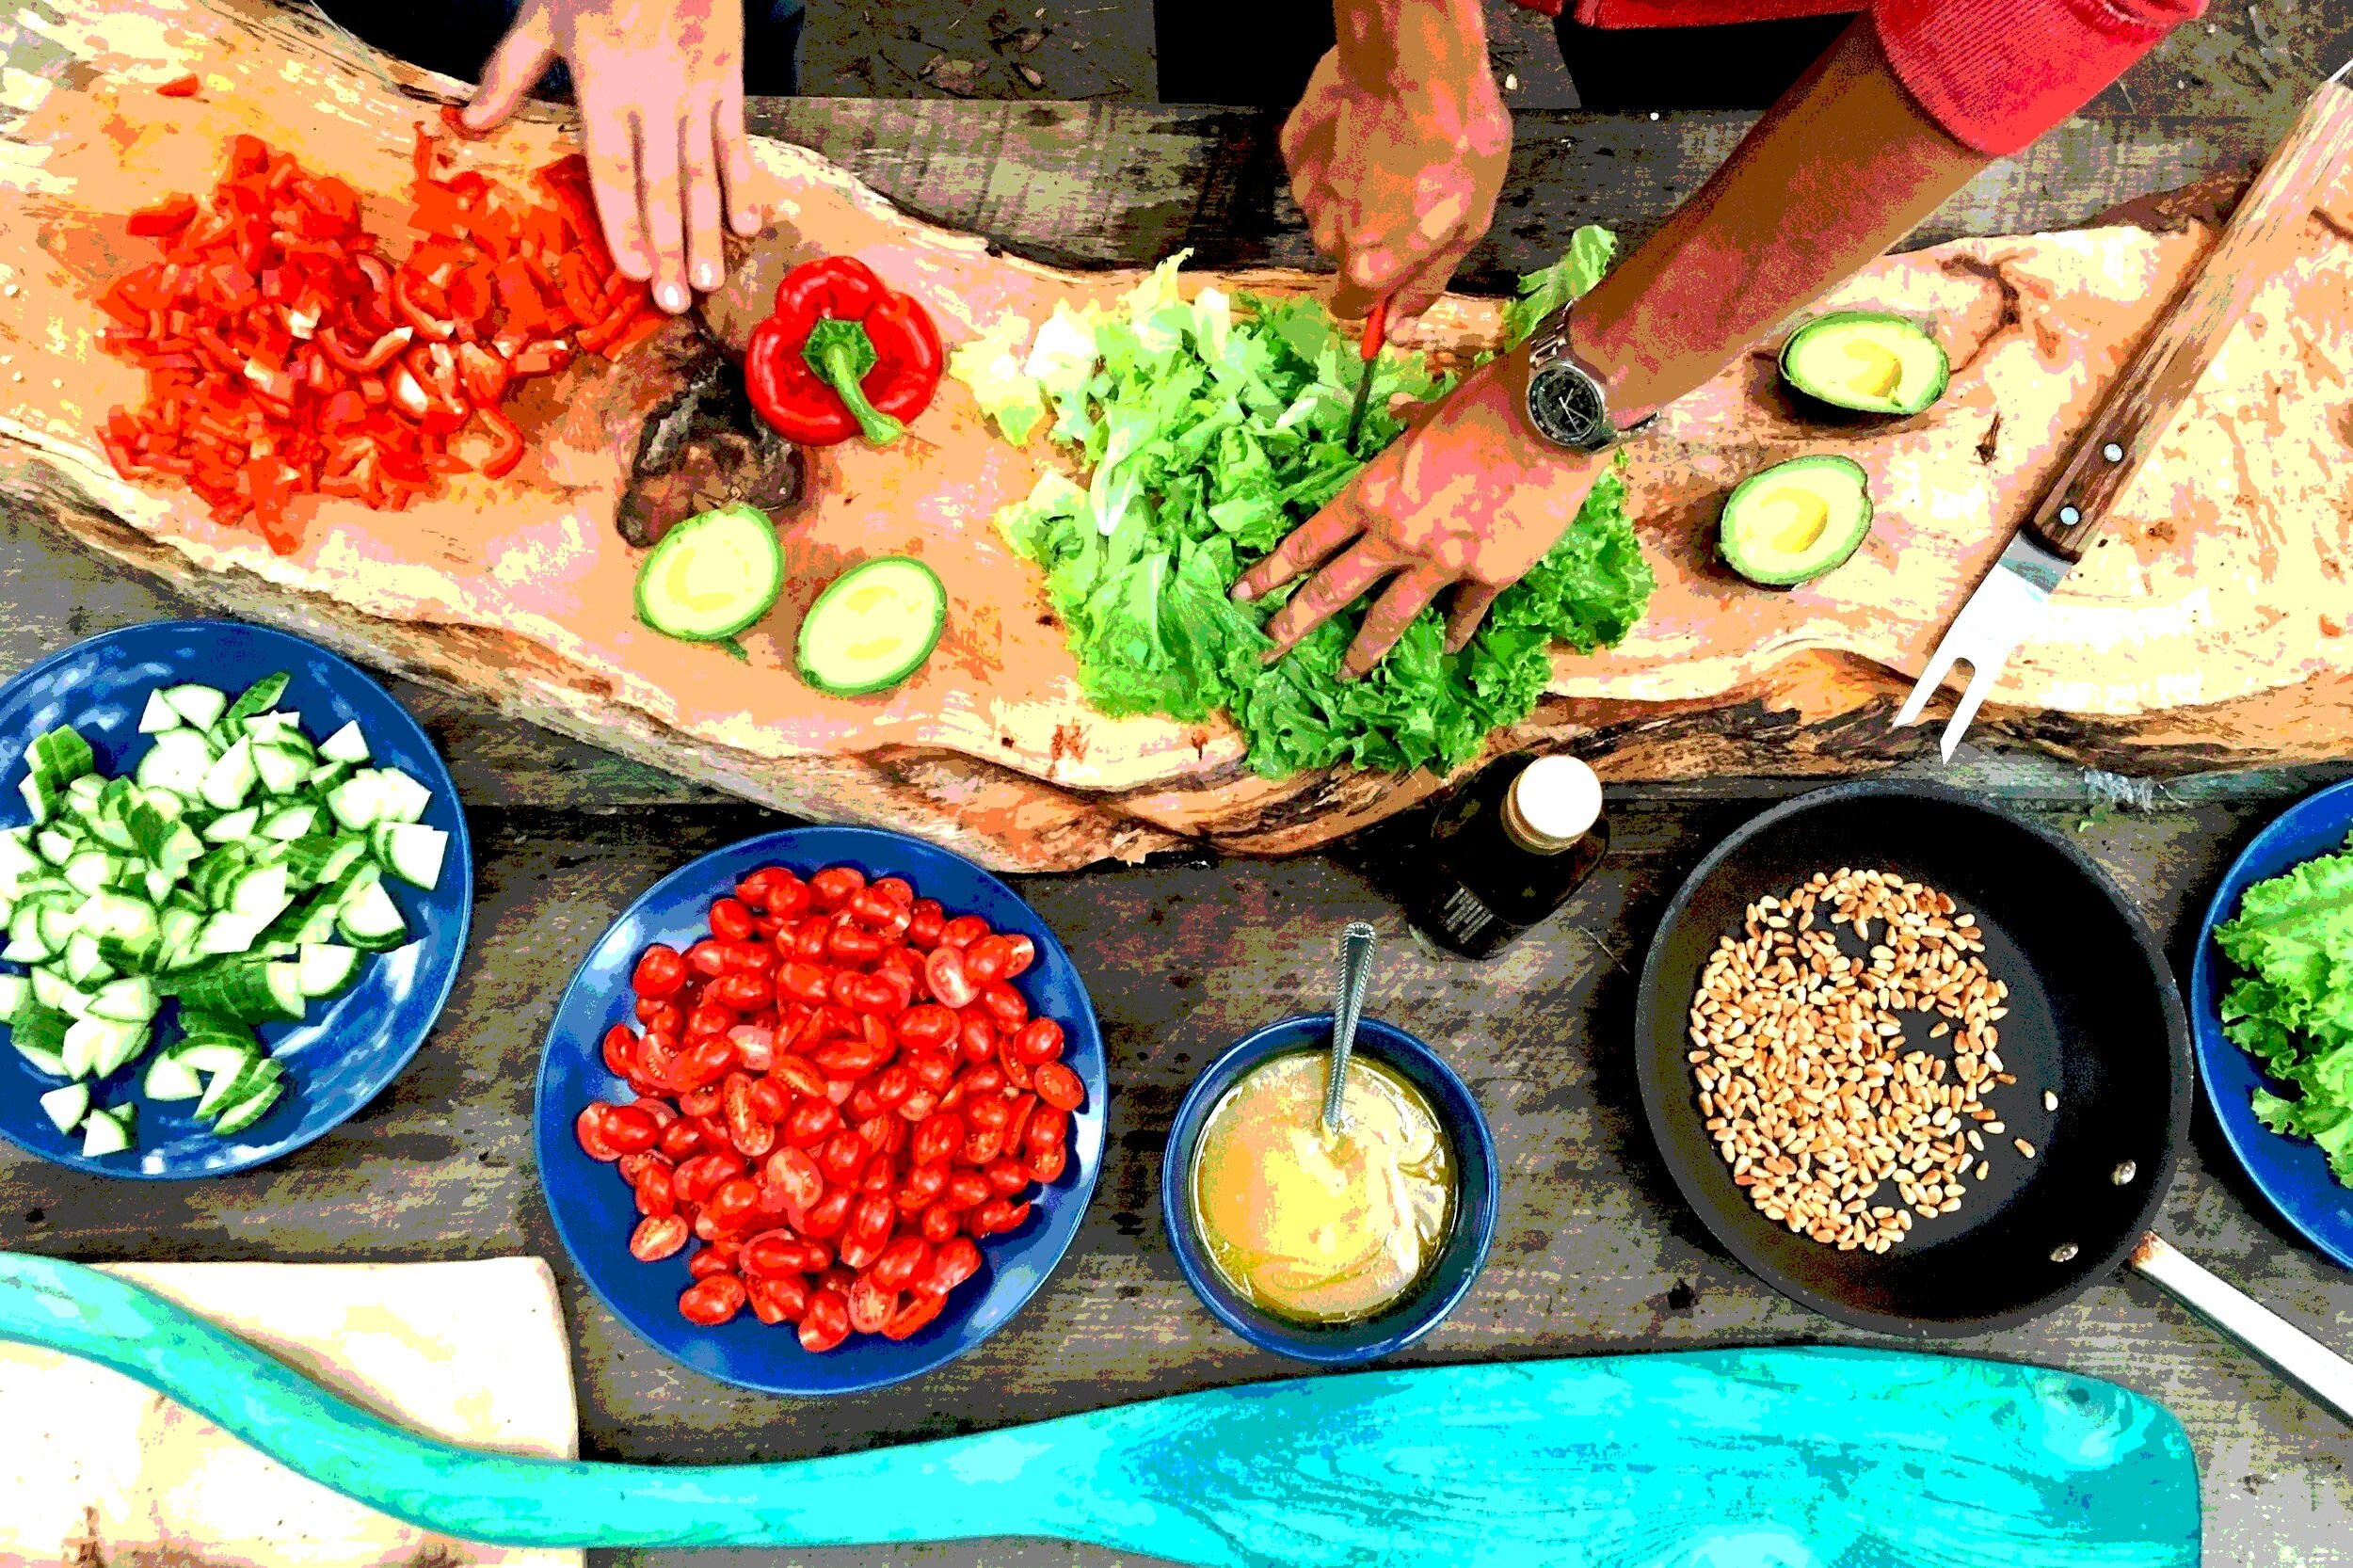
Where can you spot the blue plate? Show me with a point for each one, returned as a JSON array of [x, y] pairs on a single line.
[[350, 1045], [595, 1210], [2292, 1172]]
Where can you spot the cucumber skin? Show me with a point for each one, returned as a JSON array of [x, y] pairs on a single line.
[[676, 539], [800, 647]]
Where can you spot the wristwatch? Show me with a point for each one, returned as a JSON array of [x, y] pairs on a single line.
[[1568, 403]]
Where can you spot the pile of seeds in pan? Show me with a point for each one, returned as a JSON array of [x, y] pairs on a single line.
[[1810, 1089]]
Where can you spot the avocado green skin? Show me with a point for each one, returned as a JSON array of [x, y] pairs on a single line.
[[800, 650], [1727, 538], [672, 540], [1796, 382]]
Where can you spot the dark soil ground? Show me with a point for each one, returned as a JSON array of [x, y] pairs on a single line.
[[2255, 59]]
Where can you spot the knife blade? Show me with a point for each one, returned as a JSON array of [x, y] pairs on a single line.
[[1369, 350], [2011, 602]]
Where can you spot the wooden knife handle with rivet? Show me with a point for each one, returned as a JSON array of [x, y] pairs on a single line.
[[2261, 233]]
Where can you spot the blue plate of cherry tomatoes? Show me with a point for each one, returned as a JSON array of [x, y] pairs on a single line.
[[821, 1111]]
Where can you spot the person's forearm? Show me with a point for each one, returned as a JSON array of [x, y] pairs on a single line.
[[1842, 167], [1404, 46]]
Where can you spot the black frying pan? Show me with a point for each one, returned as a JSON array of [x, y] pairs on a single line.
[[2094, 1017]]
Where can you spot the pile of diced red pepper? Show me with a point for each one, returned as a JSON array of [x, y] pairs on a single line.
[[286, 356]]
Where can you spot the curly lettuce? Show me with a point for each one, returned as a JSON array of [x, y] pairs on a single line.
[[1207, 430], [2291, 1010]]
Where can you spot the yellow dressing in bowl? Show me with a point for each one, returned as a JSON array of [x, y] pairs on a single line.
[[1314, 1227]]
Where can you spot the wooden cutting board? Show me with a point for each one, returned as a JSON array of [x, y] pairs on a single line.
[[2208, 629], [100, 1469]]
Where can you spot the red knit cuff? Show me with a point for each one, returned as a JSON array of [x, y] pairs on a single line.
[[1542, 7], [1998, 73]]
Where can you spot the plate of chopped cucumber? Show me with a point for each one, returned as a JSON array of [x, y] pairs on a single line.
[[236, 884]]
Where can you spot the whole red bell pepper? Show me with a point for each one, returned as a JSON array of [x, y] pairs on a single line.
[[842, 354]]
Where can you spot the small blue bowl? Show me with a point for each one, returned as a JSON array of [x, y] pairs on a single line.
[[2290, 1172], [595, 1210], [351, 1045], [1446, 1283]]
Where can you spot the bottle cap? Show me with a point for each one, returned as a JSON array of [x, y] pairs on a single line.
[[1556, 800]]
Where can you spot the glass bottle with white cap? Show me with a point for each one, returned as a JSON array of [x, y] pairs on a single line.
[[1506, 852]]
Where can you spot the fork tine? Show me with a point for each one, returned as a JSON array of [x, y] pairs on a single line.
[[1940, 664], [1981, 678]]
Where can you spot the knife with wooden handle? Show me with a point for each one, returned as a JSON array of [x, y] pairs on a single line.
[[2009, 606]]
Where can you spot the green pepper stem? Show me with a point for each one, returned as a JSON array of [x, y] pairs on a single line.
[[838, 360]]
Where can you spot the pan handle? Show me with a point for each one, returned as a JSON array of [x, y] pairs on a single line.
[[2325, 1375]]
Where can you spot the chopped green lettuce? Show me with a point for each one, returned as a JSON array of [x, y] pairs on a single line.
[[2293, 1009], [1206, 431]]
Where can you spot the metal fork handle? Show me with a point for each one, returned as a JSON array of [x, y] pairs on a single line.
[[2325, 1374]]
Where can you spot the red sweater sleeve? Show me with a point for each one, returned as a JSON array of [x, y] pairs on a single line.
[[1993, 73]]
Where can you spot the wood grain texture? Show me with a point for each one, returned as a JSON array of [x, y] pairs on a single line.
[[982, 790], [2276, 215]]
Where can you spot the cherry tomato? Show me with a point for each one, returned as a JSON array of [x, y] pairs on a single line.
[[843, 1156], [592, 1128], [1020, 953], [799, 1074], [711, 1261], [1016, 1074], [777, 1300], [620, 1051], [825, 1218], [919, 1105], [813, 1121], [938, 1138], [708, 1019], [700, 1104], [752, 1134], [895, 889], [666, 1016], [976, 1037], [770, 1252], [1018, 1124], [884, 1134], [926, 1181], [835, 885], [731, 1203], [981, 1080], [809, 938], [750, 958], [769, 1101], [847, 1061], [730, 921], [847, 941], [802, 982], [653, 1191], [926, 1026], [745, 993], [630, 1129], [859, 1252], [680, 1138], [944, 973], [1040, 1041], [1049, 1128], [987, 959], [1046, 1165], [901, 1263], [1003, 1003], [1007, 1177], [919, 1310], [826, 1322], [712, 1301], [656, 1237], [884, 917], [991, 1217], [798, 1175], [787, 897], [755, 1047], [962, 931], [694, 1180], [659, 974], [872, 1218], [704, 1062], [1058, 1086], [924, 920], [966, 1189], [708, 958], [752, 890], [931, 1069], [951, 1265], [940, 1223]]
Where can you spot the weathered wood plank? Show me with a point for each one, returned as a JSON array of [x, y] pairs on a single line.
[[1595, 1250], [1118, 184]]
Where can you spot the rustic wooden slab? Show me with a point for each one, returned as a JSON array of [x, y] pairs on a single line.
[[934, 759]]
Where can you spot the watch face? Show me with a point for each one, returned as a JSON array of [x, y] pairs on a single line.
[[1567, 408]]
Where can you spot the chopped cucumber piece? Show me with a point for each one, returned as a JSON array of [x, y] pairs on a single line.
[[65, 1106], [58, 926], [52, 990], [61, 756], [265, 726], [202, 706], [230, 933], [56, 846], [109, 914], [158, 715], [228, 1089], [97, 1046], [290, 822], [305, 857], [261, 893], [15, 991], [170, 1077], [371, 920], [349, 851], [106, 1132], [400, 798], [25, 945], [412, 851], [235, 1118], [283, 768], [260, 697], [325, 970], [357, 802], [210, 1056], [231, 826], [345, 745], [232, 778], [213, 876], [130, 999], [41, 798], [134, 954], [83, 965], [91, 870], [18, 862], [254, 993], [177, 761]]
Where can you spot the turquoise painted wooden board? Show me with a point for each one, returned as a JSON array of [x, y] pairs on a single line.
[[1794, 1458]]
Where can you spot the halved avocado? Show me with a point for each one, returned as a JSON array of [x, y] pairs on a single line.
[[1796, 521], [713, 575], [873, 626], [1866, 361]]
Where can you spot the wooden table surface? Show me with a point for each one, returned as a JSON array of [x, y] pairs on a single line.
[[1593, 1252]]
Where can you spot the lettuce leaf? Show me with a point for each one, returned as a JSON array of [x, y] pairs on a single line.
[[2293, 1010], [1206, 431]]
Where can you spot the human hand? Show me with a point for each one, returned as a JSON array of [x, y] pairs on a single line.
[[1397, 176], [1469, 499], [661, 90]]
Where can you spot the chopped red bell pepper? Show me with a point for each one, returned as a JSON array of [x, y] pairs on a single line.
[[180, 86], [841, 353], [168, 216]]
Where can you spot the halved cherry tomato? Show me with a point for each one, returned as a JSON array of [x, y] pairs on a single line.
[[1057, 1085], [713, 1301], [919, 1309], [592, 1128], [620, 1051], [835, 885], [826, 1322], [1021, 952], [661, 971], [962, 931], [944, 973], [987, 959], [656, 1237]]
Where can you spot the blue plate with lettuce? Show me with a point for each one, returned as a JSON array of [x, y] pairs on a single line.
[[1205, 429], [2271, 1008]]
